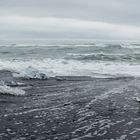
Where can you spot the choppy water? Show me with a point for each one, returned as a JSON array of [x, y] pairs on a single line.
[[70, 58]]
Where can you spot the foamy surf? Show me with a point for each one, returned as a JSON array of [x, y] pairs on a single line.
[[43, 69]]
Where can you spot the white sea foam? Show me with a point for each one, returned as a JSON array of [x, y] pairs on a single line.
[[4, 89]]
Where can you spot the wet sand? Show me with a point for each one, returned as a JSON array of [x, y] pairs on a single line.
[[77, 108]]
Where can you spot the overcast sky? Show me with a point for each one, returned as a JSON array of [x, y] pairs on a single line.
[[94, 19]]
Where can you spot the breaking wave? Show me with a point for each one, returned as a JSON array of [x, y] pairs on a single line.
[[45, 68]]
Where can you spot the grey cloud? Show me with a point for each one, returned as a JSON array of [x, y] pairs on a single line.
[[114, 11], [122, 12]]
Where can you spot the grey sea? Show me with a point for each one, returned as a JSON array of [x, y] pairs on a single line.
[[69, 90]]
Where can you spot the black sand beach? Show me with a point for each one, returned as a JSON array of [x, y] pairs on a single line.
[[78, 108]]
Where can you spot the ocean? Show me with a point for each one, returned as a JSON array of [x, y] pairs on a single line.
[[50, 58]]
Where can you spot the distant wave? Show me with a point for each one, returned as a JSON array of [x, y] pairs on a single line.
[[105, 57], [74, 44]]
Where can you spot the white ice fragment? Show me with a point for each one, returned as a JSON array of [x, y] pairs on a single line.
[[4, 89], [30, 73]]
